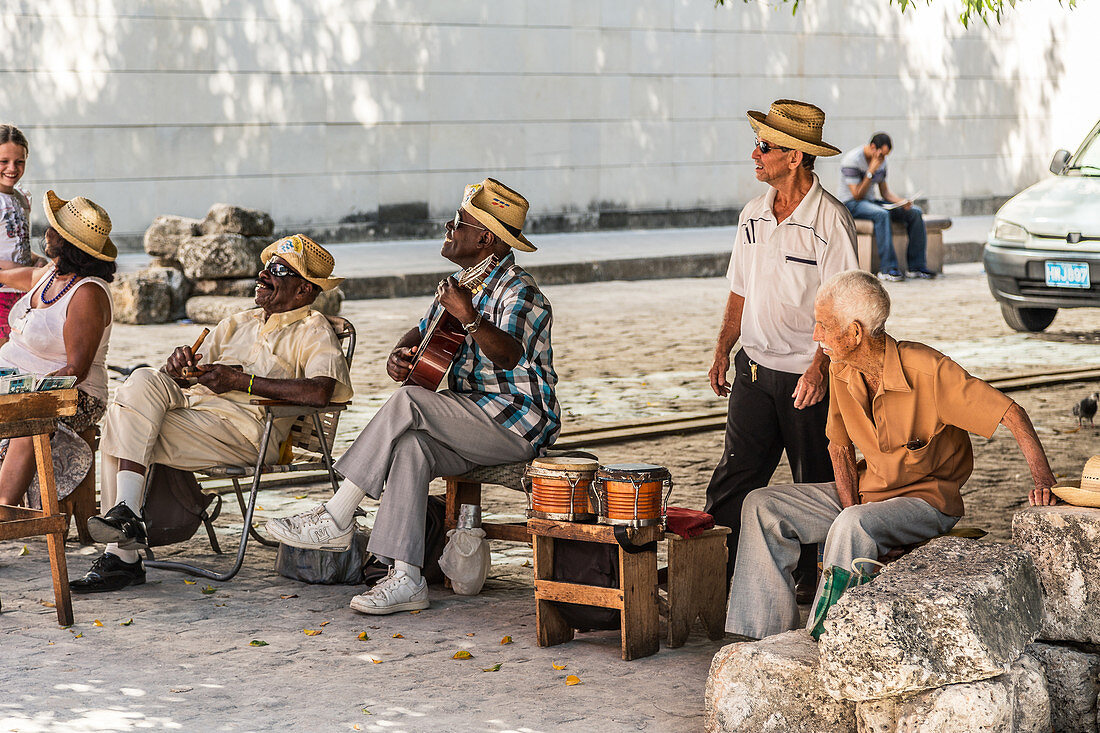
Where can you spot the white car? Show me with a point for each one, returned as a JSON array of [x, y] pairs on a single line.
[[1043, 252]]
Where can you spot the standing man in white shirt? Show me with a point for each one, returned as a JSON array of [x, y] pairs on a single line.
[[789, 240]]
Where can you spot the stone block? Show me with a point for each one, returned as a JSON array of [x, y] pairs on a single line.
[[215, 308], [221, 256], [1014, 702], [179, 288], [955, 610], [140, 298], [168, 232], [1064, 542], [1073, 681], [238, 288], [770, 686], [229, 219]]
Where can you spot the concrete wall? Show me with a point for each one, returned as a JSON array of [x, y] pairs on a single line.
[[325, 111]]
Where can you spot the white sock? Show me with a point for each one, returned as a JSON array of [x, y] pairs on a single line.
[[123, 555], [130, 488], [412, 571], [344, 502]]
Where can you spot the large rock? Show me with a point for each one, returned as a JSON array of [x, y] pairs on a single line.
[[229, 219], [953, 611], [218, 256], [1073, 681], [167, 233], [179, 288], [215, 308], [141, 298], [1014, 702], [240, 288], [1064, 542], [770, 686]]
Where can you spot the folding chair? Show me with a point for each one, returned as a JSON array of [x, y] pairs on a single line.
[[307, 447]]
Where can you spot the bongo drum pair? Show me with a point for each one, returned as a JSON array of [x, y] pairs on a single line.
[[580, 490]]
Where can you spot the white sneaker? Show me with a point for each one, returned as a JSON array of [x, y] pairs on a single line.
[[312, 530], [397, 592]]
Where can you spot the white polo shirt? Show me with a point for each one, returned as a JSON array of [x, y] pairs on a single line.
[[778, 267]]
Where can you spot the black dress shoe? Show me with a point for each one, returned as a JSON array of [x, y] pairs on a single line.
[[119, 525], [109, 573]]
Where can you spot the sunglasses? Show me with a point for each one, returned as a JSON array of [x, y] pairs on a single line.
[[766, 147], [457, 221], [280, 269]]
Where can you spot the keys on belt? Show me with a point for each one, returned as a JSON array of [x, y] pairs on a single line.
[[752, 370]]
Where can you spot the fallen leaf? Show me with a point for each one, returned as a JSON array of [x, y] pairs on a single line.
[[572, 680], [178, 690], [526, 564], [287, 598], [494, 668], [363, 636], [49, 643], [97, 622], [311, 632], [208, 590], [257, 642], [127, 623], [24, 551], [259, 508], [463, 655], [356, 727], [558, 666], [367, 712], [415, 612], [300, 496], [470, 634], [506, 640], [189, 582], [376, 661], [48, 604], [398, 636], [219, 605], [79, 636], [325, 623]]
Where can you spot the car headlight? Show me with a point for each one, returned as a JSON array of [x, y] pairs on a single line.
[[1009, 232]]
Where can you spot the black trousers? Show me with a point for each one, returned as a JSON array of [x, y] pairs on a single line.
[[761, 424]]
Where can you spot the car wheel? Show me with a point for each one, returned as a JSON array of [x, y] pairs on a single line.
[[1028, 319]]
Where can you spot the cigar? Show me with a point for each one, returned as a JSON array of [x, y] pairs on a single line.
[[196, 370]]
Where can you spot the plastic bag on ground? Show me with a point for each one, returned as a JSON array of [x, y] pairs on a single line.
[[466, 560]]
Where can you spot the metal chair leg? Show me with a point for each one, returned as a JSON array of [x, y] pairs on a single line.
[[251, 527], [325, 451], [248, 512]]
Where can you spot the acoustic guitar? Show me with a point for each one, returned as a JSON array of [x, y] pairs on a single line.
[[444, 334]]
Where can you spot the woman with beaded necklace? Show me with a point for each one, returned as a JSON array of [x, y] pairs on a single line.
[[60, 327]]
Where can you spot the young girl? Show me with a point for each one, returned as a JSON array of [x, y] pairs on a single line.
[[15, 240]]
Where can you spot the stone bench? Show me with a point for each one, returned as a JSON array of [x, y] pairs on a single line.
[[867, 248]]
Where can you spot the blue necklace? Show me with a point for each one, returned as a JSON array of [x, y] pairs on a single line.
[[64, 290]]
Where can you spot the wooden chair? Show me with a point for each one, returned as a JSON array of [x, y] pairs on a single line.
[[307, 447]]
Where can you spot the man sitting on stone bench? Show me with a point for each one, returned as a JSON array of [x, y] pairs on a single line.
[[908, 408]]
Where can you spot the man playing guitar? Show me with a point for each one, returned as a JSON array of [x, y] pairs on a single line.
[[499, 405]]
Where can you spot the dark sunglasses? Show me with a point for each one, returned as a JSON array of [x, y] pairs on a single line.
[[766, 147], [280, 269], [457, 221]]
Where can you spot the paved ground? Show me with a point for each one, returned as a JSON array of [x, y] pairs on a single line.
[[623, 349]]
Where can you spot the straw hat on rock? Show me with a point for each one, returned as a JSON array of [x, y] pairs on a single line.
[[307, 258], [82, 223], [500, 209], [1085, 492], [793, 124]]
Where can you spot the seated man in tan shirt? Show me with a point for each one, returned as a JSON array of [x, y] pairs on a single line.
[[281, 350], [909, 409]]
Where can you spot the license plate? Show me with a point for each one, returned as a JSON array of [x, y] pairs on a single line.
[[1068, 275]]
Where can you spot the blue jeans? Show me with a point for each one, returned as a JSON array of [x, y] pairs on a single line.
[[913, 219]]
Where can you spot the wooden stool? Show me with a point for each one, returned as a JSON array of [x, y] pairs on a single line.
[[81, 504], [635, 598], [696, 584]]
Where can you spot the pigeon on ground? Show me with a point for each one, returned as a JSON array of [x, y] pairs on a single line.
[[1086, 409]]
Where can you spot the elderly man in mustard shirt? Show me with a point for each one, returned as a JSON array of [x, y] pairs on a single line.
[[281, 350], [909, 409]]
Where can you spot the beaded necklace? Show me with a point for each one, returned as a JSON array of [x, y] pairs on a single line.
[[64, 290]]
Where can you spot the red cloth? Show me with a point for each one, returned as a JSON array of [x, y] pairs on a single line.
[[687, 522]]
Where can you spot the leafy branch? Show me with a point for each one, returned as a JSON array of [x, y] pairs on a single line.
[[980, 9]]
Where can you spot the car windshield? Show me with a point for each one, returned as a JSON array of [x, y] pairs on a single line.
[[1087, 160]]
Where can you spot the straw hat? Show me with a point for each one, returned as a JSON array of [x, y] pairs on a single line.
[[792, 124], [500, 209], [1085, 492], [82, 223], [306, 257]]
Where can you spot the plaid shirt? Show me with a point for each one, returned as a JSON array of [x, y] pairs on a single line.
[[520, 399]]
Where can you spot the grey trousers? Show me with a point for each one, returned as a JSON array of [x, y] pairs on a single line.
[[419, 435], [776, 520]]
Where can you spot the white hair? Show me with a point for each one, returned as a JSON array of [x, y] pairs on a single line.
[[857, 295]]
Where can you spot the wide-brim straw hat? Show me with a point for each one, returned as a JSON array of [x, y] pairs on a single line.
[[793, 124], [305, 257], [500, 209], [82, 223], [1085, 492]]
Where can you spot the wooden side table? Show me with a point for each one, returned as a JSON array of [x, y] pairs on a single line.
[[35, 414]]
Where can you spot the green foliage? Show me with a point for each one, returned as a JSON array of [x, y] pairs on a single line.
[[980, 9]]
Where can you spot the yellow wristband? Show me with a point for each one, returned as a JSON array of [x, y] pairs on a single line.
[[251, 379]]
